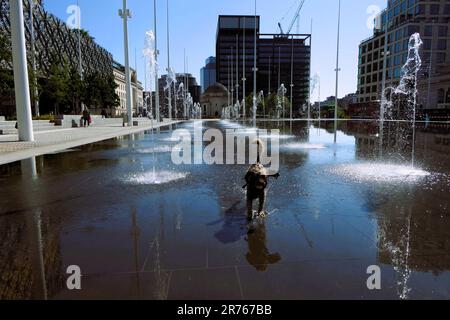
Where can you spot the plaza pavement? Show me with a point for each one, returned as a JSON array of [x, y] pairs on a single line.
[[55, 140]]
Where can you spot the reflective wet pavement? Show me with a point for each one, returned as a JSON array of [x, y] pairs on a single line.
[[188, 238]]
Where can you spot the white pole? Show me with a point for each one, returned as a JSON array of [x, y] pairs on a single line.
[[228, 84], [337, 62], [237, 67], [33, 58], [310, 69], [80, 64], [125, 14], [337, 74], [232, 76], [168, 61], [243, 71], [319, 100], [292, 78], [157, 106], [254, 73], [270, 74], [21, 84], [383, 83]]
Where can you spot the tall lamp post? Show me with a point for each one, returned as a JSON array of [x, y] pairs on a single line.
[[169, 71], [125, 14], [21, 82], [157, 106], [337, 74], [254, 73], [33, 59], [243, 71]]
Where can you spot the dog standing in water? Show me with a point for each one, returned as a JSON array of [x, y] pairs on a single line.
[[256, 183]]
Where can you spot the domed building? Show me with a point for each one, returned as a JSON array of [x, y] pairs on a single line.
[[214, 100]]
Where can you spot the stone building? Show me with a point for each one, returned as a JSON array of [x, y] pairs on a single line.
[[213, 100]]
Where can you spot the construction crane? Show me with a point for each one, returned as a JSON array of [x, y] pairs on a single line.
[[296, 16]]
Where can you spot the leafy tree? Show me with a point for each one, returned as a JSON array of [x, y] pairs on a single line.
[[100, 91], [6, 75], [56, 87], [268, 106], [76, 90]]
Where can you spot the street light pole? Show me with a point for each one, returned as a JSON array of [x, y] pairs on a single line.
[[254, 73], [21, 82], [237, 67], [168, 63], [125, 14], [337, 63], [80, 64], [157, 106], [385, 55], [337, 74], [292, 77], [243, 72], [33, 58]]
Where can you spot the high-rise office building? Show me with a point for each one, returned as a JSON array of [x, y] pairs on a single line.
[[208, 73], [188, 81], [401, 19], [278, 57]]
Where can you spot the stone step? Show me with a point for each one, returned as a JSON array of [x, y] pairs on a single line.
[[5, 131]]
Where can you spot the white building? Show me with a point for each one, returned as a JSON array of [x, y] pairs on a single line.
[[137, 90]]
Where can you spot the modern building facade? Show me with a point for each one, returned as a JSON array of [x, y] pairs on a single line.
[[55, 43], [401, 19], [137, 91], [280, 59], [208, 73], [188, 81]]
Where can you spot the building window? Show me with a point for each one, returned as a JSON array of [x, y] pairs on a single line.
[[428, 30], [447, 9], [443, 31], [440, 57], [441, 96], [434, 9], [442, 44]]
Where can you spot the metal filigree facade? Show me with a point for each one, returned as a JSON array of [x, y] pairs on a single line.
[[55, 42]]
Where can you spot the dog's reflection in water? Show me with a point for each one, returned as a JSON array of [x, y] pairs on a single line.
[[258, 255], [235, 227]]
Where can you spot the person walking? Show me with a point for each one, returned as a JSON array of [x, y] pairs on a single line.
[[86, 117]]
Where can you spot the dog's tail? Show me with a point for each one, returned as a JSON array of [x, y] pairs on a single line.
[[260, 149]]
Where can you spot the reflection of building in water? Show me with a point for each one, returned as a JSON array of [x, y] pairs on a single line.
[[413, 238], [433, 145]]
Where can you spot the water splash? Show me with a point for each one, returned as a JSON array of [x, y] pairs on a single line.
[[281, 99], [151, 65], [406, 92], [156, 178], [304, 146], [380, 172]]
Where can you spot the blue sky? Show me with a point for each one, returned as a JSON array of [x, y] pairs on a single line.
[[194, 24]]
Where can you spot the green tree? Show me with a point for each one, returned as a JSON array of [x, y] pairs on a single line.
[[76, 91], [268, 107], [55, 89], [6, 74], [100, 91]]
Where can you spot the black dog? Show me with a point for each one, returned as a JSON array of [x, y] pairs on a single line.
[[256, 183]]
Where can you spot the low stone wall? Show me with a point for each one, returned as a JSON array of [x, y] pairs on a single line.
[[67, 121]]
